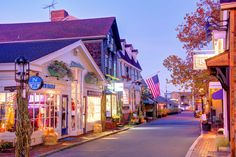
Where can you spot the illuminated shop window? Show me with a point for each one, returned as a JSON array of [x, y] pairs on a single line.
[[94, 109], [114, 106], [7, 112], [108, 105], [43, 111]]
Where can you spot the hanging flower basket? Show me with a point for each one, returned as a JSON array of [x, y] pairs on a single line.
[[91, 78], [59, 69]]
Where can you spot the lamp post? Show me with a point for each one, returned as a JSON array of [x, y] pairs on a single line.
[[23, 127]]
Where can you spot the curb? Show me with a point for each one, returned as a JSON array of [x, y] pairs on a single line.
[[80, 143], [191, 149]]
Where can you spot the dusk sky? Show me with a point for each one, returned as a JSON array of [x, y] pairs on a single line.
[[148, 25]]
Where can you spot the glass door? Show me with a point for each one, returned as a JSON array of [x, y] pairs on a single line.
[[64, 117]]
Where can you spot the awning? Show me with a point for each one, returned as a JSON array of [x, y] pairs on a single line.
[[76, 65], [218, 94], [219, 60], [148, 101]]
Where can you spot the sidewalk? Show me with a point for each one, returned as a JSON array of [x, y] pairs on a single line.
[[205, 146], [65, 143]]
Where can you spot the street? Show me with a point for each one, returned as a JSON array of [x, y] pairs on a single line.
[[171, 136]]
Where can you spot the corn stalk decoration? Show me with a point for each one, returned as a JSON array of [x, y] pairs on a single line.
[[23, 127]]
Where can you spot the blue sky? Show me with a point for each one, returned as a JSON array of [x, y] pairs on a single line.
[[148, 25]]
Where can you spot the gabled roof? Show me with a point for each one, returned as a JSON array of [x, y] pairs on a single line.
[[37, 50], [31, 50], [81, 28], [129, 60]]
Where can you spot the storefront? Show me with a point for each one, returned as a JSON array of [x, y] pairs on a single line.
[[59, 103], [93, 106]]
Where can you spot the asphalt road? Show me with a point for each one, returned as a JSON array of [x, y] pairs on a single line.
[[166, 137]]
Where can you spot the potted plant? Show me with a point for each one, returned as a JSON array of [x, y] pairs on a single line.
[[206, 126], [6, 147]]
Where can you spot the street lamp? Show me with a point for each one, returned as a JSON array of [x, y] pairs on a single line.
[[23, 127], [21, 69]]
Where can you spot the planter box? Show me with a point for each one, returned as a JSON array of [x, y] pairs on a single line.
[[206, 127]]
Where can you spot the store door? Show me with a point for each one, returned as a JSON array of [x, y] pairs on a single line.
[[64, 117], [84, 114]]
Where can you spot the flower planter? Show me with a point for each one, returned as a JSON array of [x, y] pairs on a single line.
[[206, 127]]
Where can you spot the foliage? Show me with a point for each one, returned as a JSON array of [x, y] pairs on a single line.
[[91, 78], [59, 69], [5, 145], [192, 32], [193, 36]]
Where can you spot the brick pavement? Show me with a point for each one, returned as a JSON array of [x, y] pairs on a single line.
[[206, 147]]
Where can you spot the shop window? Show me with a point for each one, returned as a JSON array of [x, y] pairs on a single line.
[[108, 105], [43, 111], [94, 109], [114, 106], [7, 112]]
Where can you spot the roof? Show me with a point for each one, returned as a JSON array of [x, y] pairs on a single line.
[[80, 28], [31, 50], [129, 60]]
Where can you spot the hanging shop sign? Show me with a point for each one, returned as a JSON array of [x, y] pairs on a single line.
[[227, 4], [94, 93], [118, 87], [199, 61], [35, 82]]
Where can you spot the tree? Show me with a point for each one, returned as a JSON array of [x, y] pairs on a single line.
[[193, 36]]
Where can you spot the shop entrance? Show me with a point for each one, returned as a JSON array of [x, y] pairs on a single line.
[[64, 117], [84, 114]]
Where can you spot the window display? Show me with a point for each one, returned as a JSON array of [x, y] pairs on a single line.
[[114, 106], [94, 109], [108, 105], [43, 110], [7, 111]]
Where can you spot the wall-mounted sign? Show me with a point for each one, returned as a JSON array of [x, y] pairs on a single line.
[[199, 62], [10, 88], [227, 4], [93, 93], [49, 86], [118, 87], [35, 82], [126, 96]]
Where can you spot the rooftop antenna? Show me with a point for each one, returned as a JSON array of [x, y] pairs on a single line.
[[50, 6]]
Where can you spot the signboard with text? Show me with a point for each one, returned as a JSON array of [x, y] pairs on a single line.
[[118, 87], [35, 82], [199, 62]]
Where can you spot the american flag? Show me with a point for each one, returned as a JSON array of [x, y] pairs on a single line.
[[154, 85]]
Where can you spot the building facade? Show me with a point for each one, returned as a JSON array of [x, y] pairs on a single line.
[[69, 102]]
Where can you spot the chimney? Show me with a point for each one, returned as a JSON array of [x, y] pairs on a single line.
[[58, 15]]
